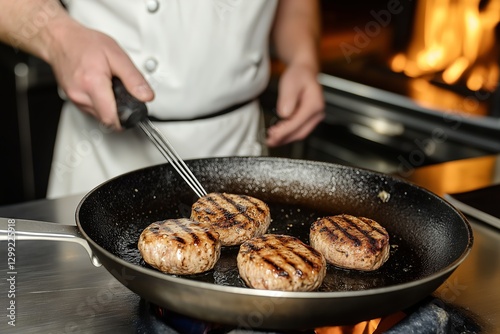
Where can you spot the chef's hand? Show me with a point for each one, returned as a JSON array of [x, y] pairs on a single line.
[[84, 61], [300, 106]]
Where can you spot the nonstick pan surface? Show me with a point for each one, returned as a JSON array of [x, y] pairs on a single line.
[[428, 237]]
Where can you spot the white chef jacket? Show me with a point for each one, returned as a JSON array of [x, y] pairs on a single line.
[[200, 57]]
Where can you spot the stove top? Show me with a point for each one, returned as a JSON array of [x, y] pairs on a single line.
[[432, 314]]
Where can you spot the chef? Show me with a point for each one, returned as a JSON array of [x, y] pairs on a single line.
[[199, 64]]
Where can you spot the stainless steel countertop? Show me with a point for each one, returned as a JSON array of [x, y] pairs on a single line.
[[58, 290]]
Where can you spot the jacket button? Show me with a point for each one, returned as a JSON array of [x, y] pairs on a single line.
[[152, 5], [150, 65], [256, 58]]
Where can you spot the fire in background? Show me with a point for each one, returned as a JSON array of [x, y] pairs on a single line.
[[455, 42]]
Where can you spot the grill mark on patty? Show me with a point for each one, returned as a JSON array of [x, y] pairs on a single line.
[[354, 222], [179, 239], [271, 246], [240, 208], [210, 236], [276, 267], [230, 216], [342, 230], [163, 228], [371, 242], [252, 247], [295, 259], [254, 202], [154, 229], [303, 257], [374, 228], [306, 260], [185, 228]]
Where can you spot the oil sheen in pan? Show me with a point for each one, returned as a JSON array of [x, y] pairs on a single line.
[[402, 266]]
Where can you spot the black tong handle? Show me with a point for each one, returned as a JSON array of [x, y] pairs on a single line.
[[130, 110]]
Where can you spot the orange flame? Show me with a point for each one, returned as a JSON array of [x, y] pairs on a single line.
[[455, 39], [375, 326]]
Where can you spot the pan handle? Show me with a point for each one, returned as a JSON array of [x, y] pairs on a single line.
[[12, 230]]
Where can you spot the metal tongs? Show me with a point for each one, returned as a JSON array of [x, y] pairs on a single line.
[[133, 112]]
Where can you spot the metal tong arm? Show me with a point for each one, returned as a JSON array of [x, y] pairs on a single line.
[[171, 155], [133, 112]]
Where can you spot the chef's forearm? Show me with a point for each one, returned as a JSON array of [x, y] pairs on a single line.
[[296, 32], [31, 25]]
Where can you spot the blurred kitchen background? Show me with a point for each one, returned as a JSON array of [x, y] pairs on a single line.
[[407, 84]]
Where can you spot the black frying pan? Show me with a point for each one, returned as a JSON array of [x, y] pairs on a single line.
[[429, 239]]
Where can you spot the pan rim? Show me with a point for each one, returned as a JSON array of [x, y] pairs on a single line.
[[244, 291]]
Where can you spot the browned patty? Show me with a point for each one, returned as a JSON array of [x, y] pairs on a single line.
[[180, 246], [235, 217], [351, 242], [280, 262]]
